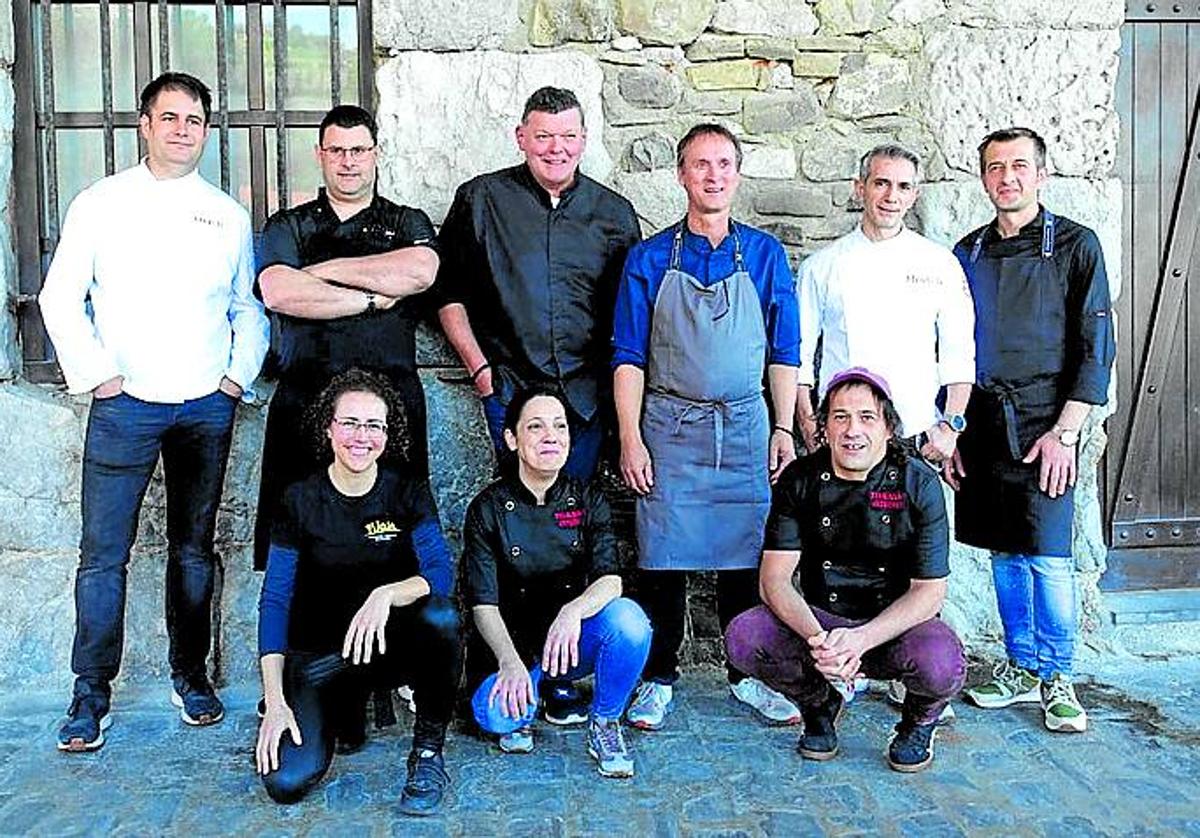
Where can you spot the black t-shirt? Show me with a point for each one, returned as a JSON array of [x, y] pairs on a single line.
[[860, 543], [530, 560], [382, 341], [348, 546]]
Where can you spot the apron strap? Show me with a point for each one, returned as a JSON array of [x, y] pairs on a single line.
[[677, 247], [1047, 238]]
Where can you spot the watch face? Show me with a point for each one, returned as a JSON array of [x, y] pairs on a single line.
[[1069, 438], [957, 422]]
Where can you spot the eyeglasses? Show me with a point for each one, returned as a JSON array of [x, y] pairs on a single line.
[[353, 152], [372, 427]]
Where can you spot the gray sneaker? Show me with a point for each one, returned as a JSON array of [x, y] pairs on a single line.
[[606, 744], [520, 741], [1010, 684], [649, 707]]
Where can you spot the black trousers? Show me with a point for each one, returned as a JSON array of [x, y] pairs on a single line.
[[289, 454], [663, 595], [325, 691]]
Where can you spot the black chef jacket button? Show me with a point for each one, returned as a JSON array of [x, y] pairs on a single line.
[[515, 551], [883, 570], [824, 475], [575, 543], [833, 597], [887, 519], [827, 565], [509, 506], [570, 501], [825, 521], [892, 474]]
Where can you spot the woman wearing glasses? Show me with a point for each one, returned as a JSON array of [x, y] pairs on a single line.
[[356, 597], [541, 576]]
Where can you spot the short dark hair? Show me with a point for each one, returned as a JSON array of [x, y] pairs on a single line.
[[348, 116], [1005, 135], [182, 82], [523, 396], [355, 380], [551, 100], [707, 129], [891, 417], [888, 151]]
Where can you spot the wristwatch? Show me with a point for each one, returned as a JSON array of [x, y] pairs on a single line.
[[955, 422], [370, 300], [1068, 437]]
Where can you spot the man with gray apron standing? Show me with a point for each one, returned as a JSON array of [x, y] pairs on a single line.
[[1044, 350], [703, 308]]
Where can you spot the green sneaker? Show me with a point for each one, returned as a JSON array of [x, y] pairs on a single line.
[[1010, 684], [1063, 711]]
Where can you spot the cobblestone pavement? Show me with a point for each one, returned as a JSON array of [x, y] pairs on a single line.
[[714, 770]]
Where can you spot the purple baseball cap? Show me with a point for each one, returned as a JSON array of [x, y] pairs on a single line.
[[861, 374]]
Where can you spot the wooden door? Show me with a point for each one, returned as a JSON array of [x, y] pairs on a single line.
[[1151, 471]]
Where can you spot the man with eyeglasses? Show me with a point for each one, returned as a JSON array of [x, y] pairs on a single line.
[[148, 302], [339, 275], [532, 256]]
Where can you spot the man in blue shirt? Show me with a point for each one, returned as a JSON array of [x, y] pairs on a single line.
[[703, 308]]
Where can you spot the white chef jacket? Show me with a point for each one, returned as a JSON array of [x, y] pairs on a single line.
[[900, 307], [152, 280]]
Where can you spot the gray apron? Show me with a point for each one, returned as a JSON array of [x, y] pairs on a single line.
[[705, 423]]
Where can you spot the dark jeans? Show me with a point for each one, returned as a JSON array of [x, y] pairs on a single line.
[[587, 438], [928, 659], [663, 594], [124, 439], [325, 691], [289, 454]]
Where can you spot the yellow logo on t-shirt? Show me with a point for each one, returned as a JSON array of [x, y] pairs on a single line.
[[381, 530]]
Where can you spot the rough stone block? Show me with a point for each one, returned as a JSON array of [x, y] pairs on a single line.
[[772, 113], [1034, 14], [762, 161], [648, 152], [738, 74], [832, 151], [650, 86], [783, 18], [7, 47], [626, 43], [452, 25], [38, 467], [1059, 83], [792, 199], [705, 103], [664, 21], [824, 65], [552, 22], [914, 12], [655, 195], [710, 47], [773, 49], [896, 40], [850, 17], [469, 104], [829, 43], [870, 84]]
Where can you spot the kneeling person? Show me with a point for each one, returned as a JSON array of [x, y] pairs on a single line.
[[356, 598], [867, 526], [541, 577]]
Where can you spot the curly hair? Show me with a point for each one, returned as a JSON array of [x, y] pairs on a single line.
[[354, 380]]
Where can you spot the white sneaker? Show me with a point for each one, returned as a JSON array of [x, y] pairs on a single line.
[[649, 707], [771, 705], [897, 691], [520, 741]]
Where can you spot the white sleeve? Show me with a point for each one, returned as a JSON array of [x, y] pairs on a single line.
[[86, 363], [955, 326], [251, 330], [810, 295]]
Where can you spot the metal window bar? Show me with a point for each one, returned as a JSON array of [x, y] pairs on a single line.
[[37, 187]]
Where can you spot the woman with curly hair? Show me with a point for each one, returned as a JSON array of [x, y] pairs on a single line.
[[356, 597]]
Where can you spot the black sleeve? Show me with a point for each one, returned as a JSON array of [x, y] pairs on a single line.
[[456, 246], [416, 230], [279, 244], [1091, 346], [479, 558], [286, 529], [931, 556], [600, 538], [783, 523]]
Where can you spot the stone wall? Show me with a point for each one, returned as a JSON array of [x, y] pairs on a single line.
[[809, 86]]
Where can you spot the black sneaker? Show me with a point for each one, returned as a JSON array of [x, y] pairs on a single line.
[[426, 783], [197, 701], [819, 740], [87, 719], [563, 705], [911, 748]]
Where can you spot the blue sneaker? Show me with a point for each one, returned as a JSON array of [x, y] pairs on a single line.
[[87, 719], [197, 701], [426, 783]]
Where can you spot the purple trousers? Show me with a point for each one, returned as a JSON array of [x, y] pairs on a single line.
[[928, 659]]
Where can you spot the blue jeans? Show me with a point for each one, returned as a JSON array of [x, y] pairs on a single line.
[[586, 438], [1036, 598], [124, 439], [614, 644]]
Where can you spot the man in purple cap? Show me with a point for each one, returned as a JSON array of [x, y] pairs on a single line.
[[866, 525]]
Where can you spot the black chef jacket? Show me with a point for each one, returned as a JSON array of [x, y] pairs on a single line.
[[539, 282], [860, 543], [531, 560]]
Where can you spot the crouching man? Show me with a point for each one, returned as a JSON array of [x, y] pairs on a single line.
[[866, 524]]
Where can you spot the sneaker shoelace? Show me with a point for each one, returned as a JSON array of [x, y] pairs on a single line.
[[1059, 692], [650, 692], [611, 741]]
